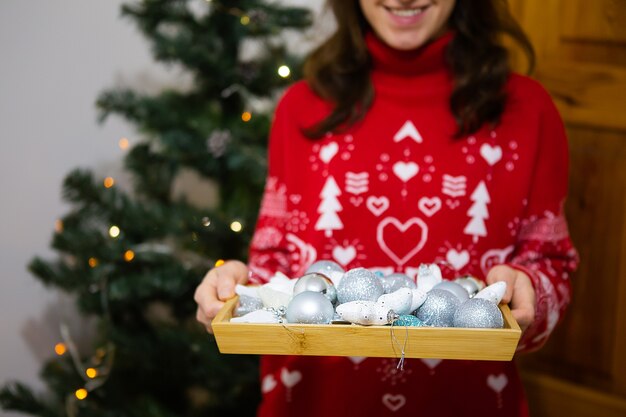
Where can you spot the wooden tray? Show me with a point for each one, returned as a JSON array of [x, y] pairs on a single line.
[[372, 341]]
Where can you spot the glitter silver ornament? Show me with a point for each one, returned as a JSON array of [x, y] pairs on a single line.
[[247, 305], [471, 285], [359, 284], [478, 313], [438, 309], [329, 269], [318, 283], [459, 291], [394, 282], [311, 308]]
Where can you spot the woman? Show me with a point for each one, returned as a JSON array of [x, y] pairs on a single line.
[[411, 142]]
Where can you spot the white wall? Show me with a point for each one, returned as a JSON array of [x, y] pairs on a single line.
[[55, 57]]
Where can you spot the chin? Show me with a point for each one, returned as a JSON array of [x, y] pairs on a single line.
[[405, 42]]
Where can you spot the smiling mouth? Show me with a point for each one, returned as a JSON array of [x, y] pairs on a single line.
[[406, 12]]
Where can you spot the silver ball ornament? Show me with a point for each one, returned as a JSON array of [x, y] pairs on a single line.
[[394, 282], [310, 307], [471, 285], [438, 309], [359, 284], [458, 290], [478, 313], [247, 305], [330, 269], [318, 283]]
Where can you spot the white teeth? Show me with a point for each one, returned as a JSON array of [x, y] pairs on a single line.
[[406, 12]]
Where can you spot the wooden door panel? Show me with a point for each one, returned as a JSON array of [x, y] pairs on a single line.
[[581, 60], [597, 20]]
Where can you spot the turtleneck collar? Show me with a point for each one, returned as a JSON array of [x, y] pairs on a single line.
[[425, 60]]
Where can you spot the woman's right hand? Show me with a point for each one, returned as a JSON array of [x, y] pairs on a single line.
[[218, 286]]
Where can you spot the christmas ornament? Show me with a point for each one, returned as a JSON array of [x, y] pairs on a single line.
[[310, 307], [218, 142], [456, 289], [318, 283], [471, 285], [438, 309], [366, 313], [281, 282], [259, 316], [247, 305], [327, 268], [247, 291], [478, 313], [419, 297], [493, 292], [394, 282], [359, 312], [408, 320], [359, 284], [399, 301], [428, 275], [272, 298]]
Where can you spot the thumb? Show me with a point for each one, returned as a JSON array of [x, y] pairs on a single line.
[[506, 274]]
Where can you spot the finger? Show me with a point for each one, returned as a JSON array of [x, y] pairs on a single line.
[[205, 293], [204, 320], [225, 286], [506, 274], [523, 304], [524, 316]]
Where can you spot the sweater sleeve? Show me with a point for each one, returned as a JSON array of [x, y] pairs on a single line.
[[544, 250], [268, 252]]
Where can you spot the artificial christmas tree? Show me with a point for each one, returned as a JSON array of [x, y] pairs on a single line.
[[132, 259]]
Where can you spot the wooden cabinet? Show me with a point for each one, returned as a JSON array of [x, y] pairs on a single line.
[[581, 60]]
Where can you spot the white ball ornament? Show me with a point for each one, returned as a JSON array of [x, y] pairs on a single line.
[[493, 292], [456, 289], [310, 307], [478, 313], [359, 284]]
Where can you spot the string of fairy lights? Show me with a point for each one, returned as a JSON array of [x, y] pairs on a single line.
[[98, 371]]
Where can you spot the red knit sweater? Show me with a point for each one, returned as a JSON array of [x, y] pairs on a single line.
[[395, 191]]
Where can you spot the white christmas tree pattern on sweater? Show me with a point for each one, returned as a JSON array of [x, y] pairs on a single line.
[[329, 219], [478, 212]]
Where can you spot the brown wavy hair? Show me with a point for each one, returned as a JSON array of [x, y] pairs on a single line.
[[338, 70]]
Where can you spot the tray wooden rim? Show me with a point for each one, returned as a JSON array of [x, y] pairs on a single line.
[[373, 341]]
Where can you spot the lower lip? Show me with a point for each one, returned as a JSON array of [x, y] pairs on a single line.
[[407, 20]]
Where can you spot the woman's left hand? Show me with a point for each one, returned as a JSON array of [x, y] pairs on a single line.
[[519, 292]]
